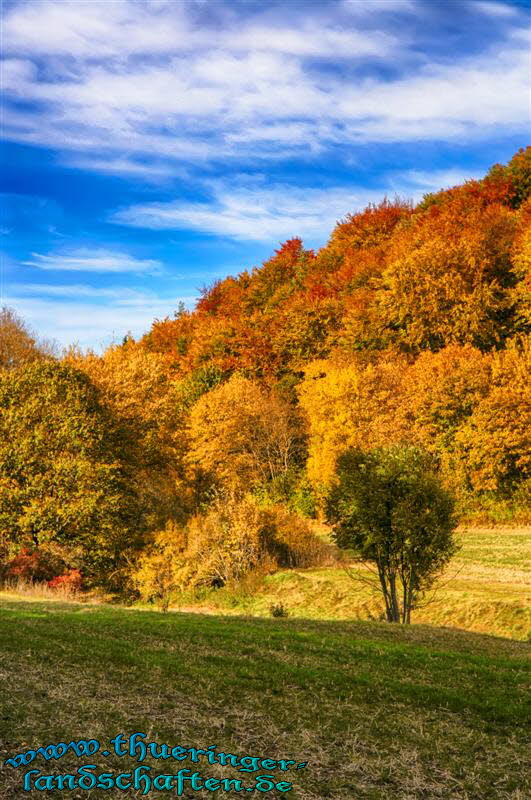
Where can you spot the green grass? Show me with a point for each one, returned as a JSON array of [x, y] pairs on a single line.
[[486, 589], [379, 712]]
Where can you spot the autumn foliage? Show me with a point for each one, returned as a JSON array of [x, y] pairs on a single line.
[[189, 456]]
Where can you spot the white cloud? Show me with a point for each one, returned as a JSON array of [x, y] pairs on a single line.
[[92, 29], [122, 296], [85, 260], [88, 29], [154, 172], [247, 210], [312, 40], [93, 318], [495, 9], [136, 88], [445, 100], [366, 7], [257, 213], [439, 179], [17, 71], [166, 111]]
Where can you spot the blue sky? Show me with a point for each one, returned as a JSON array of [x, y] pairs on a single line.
[[152, 146]]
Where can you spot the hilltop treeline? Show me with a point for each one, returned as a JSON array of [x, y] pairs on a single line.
[[398, 278], [195, 454]]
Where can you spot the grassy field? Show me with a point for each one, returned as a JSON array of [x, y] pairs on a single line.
[[487, 589], [378, 712]]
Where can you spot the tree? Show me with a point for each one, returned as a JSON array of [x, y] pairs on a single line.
[[514, 179], [448, 276], [137, 387], [352, 405], [440, 392], [494, 443], [243, 434], [521, 259], [161, 569], [391, 509], [64, 475], [18, 344]]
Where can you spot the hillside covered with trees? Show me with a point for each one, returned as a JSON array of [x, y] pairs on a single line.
[[197, 454]]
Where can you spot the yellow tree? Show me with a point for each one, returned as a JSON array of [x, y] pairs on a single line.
[[441, 390], [521, 258], [495, 442], [349, 406], [137, 386], [18, 343], [243, 434], [162, 568], [66, 478], [448, 276], [439, 393]]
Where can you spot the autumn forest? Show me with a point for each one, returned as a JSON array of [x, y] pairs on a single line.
[[206, 450]]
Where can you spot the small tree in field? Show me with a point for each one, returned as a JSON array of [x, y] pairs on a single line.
[[391, 509]]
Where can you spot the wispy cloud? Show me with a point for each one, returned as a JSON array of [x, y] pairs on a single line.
[[362, 7], [86, 260], [152, 171], [417, 180], [120, 295], [90, 316], [252, 211], [253, 214], [495, 9], [86, 29], [128, 79]]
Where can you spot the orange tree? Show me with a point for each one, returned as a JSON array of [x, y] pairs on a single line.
[[244, 435]]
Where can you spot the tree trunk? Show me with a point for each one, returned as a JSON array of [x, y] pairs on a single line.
[[395, 609], [385, 592]]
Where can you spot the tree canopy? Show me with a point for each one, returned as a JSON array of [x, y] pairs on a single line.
[[64, 475], [390, 508]]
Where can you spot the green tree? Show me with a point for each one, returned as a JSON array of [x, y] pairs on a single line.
[[391, 509], [64, 476]]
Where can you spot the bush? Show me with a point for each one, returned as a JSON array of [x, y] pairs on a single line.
[[227, 542], [293, 542], [161, 570], [236, 537], [232, 540], [304, 500], [40, 564], [71, 581]]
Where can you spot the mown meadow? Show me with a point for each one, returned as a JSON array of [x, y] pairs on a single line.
[[377, 711], [486, 588]]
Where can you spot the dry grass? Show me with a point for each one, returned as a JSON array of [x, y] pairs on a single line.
[[39, 590], [486, 588]]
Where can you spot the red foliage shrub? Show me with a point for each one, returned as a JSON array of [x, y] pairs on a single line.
[[36, 565], [71, 580]]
